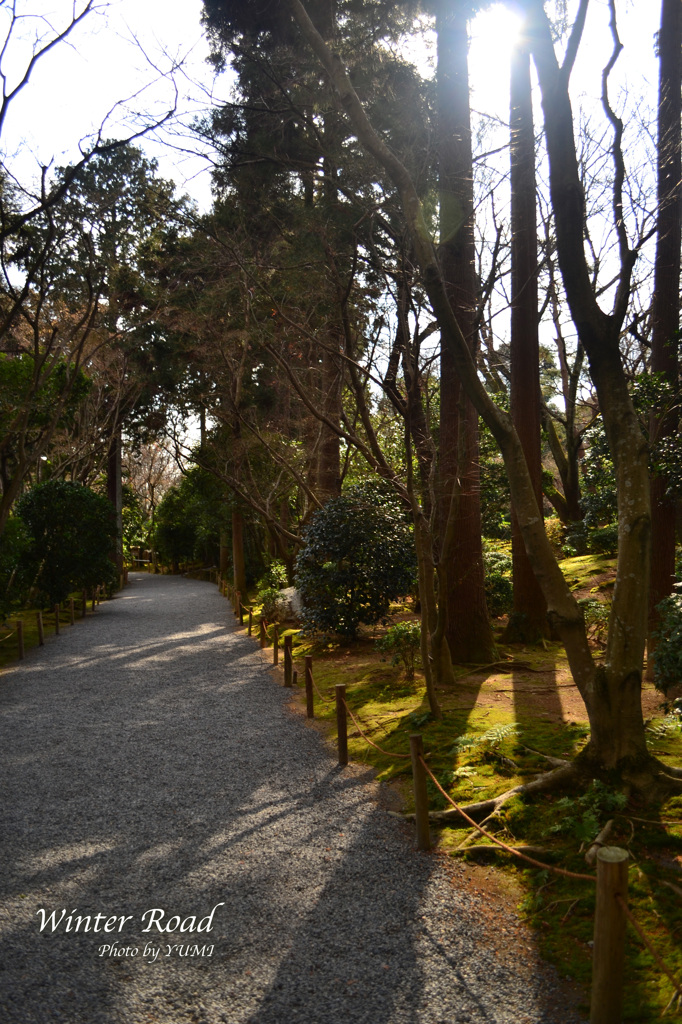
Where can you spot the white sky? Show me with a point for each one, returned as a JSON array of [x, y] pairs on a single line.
[[75, 86]]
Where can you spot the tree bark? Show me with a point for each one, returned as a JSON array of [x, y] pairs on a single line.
[[238, 569], [529, 617], [468, 631], [115, 495], [666, 301]]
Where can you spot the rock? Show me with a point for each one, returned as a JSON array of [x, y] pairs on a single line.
[[289, 605]]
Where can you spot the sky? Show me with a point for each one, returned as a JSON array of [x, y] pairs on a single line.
[[77, 84]]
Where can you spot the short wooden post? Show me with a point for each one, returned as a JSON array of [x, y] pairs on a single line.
[[288, 662], [341, 722], [608, 953], [275, 645], [263, 634], [250, 621], [294, 678], [41, 631], [56, 620], [20, 638], [421, 801], [85, 605], [238, 606], [72, 612], [309, 705]]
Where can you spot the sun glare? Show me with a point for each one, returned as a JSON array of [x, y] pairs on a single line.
[[494, 33]]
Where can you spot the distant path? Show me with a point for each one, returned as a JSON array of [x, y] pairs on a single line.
[[149, 760]]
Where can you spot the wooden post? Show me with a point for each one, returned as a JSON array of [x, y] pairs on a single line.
[[250, 621], [608, 953], [294, 678], [421, 801], [288, 663], [94, 598], [263, 634], [275, 645], [341, 722], [240, 611], [41, 631], [309, 705], [237, 603], [56, 620], [85, 605], [72, 612], [20, 638]]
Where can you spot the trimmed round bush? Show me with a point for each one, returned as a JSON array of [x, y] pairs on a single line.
[[358, 556]]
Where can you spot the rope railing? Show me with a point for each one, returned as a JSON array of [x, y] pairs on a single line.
[[612, 911], [388, 753], [498, 842]]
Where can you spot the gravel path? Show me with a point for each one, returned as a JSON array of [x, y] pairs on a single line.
[[149, 762]]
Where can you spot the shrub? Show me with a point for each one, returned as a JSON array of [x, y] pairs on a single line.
[[71, 538], [402, 642], [499, 591], [358, 556]]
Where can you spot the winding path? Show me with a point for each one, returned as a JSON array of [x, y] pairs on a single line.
[[149, 762]]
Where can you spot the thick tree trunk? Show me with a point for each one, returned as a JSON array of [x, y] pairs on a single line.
[[529, 619], [666, 301], [224, 552], [329, 457], [115, 495], [238, 569], [468, 631]]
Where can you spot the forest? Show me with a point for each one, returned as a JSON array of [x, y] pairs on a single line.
[[424, 350]]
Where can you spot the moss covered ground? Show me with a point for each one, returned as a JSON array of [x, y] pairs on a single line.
[[497, 723]]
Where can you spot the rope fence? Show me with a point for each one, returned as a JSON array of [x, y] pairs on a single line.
[[611, 910]]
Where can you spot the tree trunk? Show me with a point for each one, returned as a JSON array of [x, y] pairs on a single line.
[[239, 572], [468, 631], [666, 301], [115, 495], [529, 618], [224, 552]]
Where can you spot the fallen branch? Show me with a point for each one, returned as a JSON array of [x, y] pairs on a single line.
[[542, 784]]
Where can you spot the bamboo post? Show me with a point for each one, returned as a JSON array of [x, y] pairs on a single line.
[[288, 663], [56, 620], [72, 612], [421, 801], [309, 705], [41, 631], [275, 645], [341, 722], [20, 638], [85, 605], [263, 634], [250, 621], [608, 953]]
